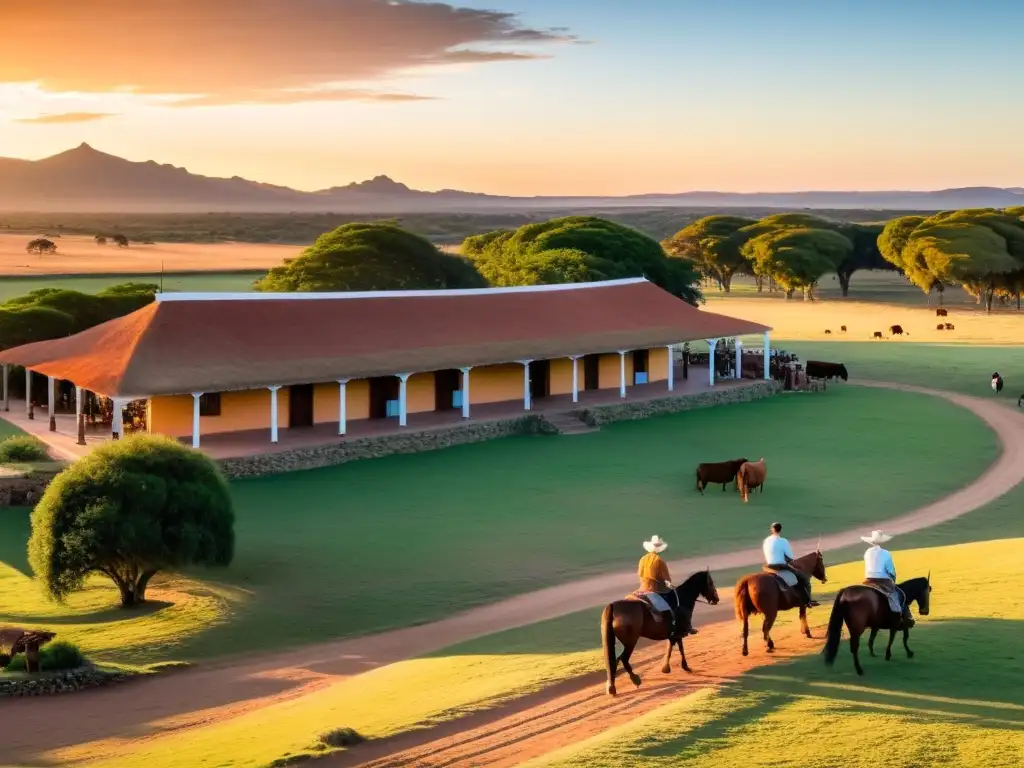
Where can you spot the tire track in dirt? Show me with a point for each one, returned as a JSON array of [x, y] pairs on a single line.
[[150, 709]]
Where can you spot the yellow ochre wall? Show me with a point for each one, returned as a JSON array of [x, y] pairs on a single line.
[[250, 409]]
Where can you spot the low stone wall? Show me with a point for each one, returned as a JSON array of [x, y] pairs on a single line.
[[632, 411], [47, 684], [24, 490], [384, 445]]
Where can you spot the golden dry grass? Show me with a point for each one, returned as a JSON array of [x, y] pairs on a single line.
[[78, 255]]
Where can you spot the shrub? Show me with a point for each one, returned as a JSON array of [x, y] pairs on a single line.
[[55, 657], [22, 449], [341, 737]]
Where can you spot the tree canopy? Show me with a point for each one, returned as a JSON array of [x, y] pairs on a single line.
[[379, 256], [714, 244], [980, 249], [50, 313], [41, 245], [127, 510], [796, 258], [578, 249]]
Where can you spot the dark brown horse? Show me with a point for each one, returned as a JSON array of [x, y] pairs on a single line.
[[762, 593], [862, 607], [630, 619]]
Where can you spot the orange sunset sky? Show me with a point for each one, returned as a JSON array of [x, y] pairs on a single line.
[[526, 96]]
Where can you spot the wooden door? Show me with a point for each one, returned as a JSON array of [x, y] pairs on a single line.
[[300, 406], [446, 384], [540, 379], [591, 372], [382, 389], [641, 361]]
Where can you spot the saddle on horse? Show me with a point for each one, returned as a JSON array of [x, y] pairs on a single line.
[[894, 596], [798, 583], [661, 606]]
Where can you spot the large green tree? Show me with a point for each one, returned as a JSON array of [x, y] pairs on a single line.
[[579, 249], [796, 258], [378, 256], [714, 244], [128, 510], [981, 250]]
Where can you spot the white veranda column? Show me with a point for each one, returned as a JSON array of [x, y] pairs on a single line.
[[767, 354], [79, 415], [739, 358], [622, 373], [526, 384], [342, 406], [28, 391], [273, 412], [49, 404], [195, 418], [465, 391], [575, 378], [117, 421], [671, 369], [403, 399], [7, 388], [712, 343]]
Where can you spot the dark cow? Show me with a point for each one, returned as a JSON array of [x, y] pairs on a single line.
[[949, 327], [818, 370], [842, 328], [827, 331], [720, 472], [896, 330], [940, 327], [997, 383], [941, 313], [878, 335]]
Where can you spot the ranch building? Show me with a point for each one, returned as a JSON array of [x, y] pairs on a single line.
[[202, 366]]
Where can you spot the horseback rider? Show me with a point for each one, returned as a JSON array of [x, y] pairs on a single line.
[[655, 581], [777, 557], [880, 572]]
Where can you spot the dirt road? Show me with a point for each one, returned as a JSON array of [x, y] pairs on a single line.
[[151, 708]]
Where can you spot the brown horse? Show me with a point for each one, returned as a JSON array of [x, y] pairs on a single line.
[[630, 619], [762, 593], [862, 607], [750, 476]]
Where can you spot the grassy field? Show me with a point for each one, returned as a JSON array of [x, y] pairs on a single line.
[[958, 703], [77, 255], [473, 524], [211, 281]]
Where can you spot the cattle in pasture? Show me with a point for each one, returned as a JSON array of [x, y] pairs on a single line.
[[827, 331], [997, 383], [940, 327], [816, 369], [941, 313], [896, 330], [751, 475], [842, 328], [949, 327], [717, 472], [878, 335]]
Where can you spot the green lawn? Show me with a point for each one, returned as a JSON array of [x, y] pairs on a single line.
[[11, 287], [959, 702], [371, 545]]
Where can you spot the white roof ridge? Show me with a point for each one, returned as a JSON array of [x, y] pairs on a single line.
[[257, 296]]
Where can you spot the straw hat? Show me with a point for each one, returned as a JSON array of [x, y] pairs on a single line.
[[876, 537], [655, 544]]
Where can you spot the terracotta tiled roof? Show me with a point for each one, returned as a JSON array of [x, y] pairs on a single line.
[[217, 342]]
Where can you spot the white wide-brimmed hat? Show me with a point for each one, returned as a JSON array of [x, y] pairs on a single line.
[[876, 537], [655, 544]]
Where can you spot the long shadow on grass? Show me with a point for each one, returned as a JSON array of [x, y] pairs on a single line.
[[107, 615], [963, 671]]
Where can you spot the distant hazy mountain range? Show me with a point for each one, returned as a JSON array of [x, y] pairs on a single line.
[[86, 180]]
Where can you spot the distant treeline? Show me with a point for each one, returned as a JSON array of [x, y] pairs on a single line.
[[304, 228]]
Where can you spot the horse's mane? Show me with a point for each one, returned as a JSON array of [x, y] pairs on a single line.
[[693, 585], [914, 586]]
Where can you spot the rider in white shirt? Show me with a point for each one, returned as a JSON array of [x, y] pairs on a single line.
[[778, 556], [880, 571]]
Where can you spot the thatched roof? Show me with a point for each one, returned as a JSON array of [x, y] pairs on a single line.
[[186, 343]]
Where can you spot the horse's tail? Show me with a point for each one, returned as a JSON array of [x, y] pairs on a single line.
[[608, 641], [741, 599], [835, 629]]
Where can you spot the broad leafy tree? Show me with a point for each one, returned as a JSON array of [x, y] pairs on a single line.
[[378, 256], [797, 258], [714, 244], [579, 249], [128, 510], [41, 246]]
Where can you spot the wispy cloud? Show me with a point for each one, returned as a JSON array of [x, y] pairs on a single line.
[[253, 51], [65, 117]]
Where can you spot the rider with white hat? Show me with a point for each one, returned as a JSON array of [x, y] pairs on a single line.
[[655, 581], [880, 572]]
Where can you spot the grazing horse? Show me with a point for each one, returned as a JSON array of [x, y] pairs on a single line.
[[751, 475], [763, 593], [630, 619], [862, 607]]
